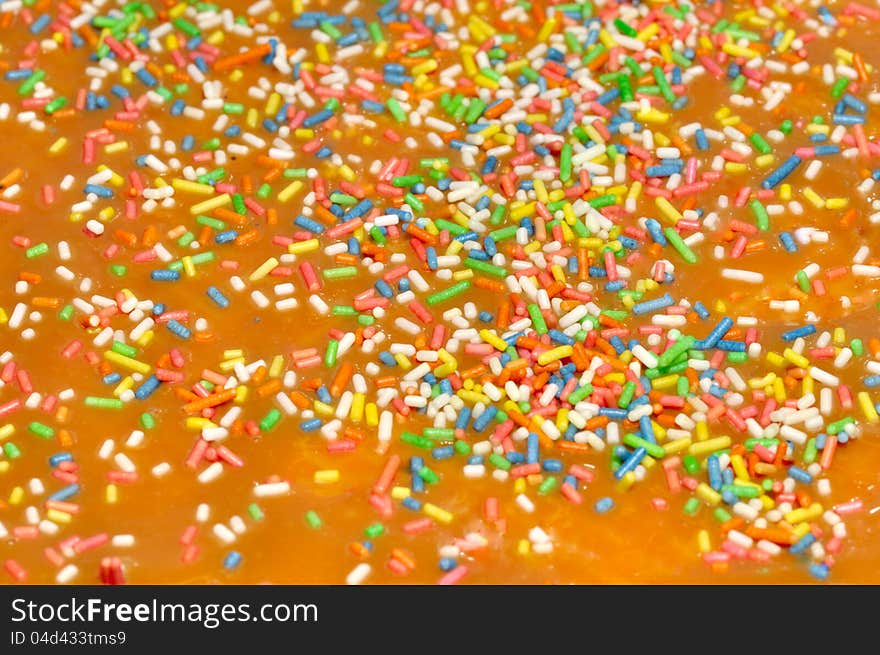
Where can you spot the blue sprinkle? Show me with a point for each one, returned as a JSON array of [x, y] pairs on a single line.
[[165, 275], [65, 493], [217, 296], [57, 458], [804, 331], [178, 329], [604, 505], [147, 388]]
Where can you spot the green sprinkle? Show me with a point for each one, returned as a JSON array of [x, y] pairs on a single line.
[[41, 430], [255, 512], [186, 27], [762, 218], [448, 294], [428, 475], [485, 267], [374, 530], [839, 87], [680, 246], [403, 181], [565, 163], [665, 90], [548, 485], [498, 461], [803, 281], [810, 451], [760, 144], [675, 351], [635, 441], [213, 223], [270, 420], [313, 520], [396, 110], [537, 319], [27, 87], [329, 29], [340, 272], [415, 440], [444, 434], [124, 349], [626, 395], [330, 353], [103, 403], [579, 394], [721, 515], [838, 426], [37, 250]]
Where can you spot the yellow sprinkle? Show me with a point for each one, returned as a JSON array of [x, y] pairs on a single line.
[[437, 513], [276, 368], [197, 423], [739, 467], [676, 446], [372, 414], [627, 481], [57, 516], [703, 542], [16, 495], [289, 191], [192, 187], [59, 146], [738, 51], [554, 355], [399, 493], [867, 407], [188, 267], [815, 199], [709, 446], [127, 362], [323, 409], [263, 269], [327, 476], [211, 204], [802, 514], [795, 358], [667, 210], [494, 340], [708, 494], [309, 245], [547, 29], [146, 338]]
